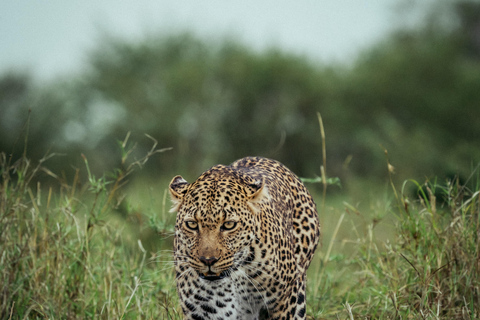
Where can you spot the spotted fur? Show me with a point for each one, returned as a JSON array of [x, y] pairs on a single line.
[[244, 237]]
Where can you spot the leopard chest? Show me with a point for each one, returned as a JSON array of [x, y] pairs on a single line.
[[235, 297]]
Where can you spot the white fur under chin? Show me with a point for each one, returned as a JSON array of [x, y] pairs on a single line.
[[236, 309]]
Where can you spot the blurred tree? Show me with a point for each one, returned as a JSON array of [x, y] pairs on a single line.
[[19, 98], [468, 13], [14, 95], [416, 93], [213, 103]]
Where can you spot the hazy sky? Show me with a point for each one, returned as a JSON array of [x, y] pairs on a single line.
[[52, 37]]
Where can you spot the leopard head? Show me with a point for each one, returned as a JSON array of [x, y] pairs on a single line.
[[217, 219]]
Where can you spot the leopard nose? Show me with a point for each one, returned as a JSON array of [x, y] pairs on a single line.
[[208, 261]]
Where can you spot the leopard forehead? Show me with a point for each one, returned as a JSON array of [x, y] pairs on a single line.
[[215, 198]]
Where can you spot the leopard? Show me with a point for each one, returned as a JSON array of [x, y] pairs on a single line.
[[245, 235]]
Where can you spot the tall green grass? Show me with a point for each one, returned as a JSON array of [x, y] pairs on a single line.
[[78, 250], [429, 268], [66, 254]]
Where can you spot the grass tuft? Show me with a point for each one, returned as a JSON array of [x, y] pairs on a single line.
[[65, 253], [428, 269]]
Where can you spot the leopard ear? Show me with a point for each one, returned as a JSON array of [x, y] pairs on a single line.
[[178, 188], [259, 194]]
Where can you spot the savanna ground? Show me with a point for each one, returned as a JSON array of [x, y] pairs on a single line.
[[97, 247]]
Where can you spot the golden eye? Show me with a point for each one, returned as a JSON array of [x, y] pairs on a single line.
[[192, 225], [229, 225]]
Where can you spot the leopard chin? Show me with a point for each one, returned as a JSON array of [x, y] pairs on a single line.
[[210, 276]]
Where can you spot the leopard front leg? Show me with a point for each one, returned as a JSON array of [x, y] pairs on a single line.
[[301, 309], [294, 305]]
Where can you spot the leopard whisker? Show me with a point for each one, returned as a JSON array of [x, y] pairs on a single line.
[[263, 272], [251, 280]]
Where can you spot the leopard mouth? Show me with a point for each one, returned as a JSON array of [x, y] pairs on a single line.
[[210, 276]]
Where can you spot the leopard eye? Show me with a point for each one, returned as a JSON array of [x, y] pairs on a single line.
[[192, 225], [229, 225]]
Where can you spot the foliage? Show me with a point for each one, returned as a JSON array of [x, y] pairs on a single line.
[[72, 245], [429, 270], [65, 254], [214, 103], [84, 250], [415, 93]]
